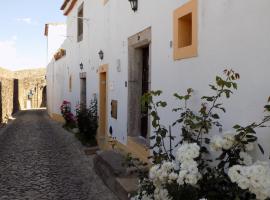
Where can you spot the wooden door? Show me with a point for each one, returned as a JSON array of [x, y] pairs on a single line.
[[102, 103]]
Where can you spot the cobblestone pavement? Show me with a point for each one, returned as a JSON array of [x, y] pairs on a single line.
[[39, 160]]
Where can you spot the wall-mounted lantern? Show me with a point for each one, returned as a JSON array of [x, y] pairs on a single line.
[[101, 54], [81, 66], [134, 5]]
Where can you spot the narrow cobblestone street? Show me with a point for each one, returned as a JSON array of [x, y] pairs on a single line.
[[39, 160]]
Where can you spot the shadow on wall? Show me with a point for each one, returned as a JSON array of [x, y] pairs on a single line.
[[44, 98], [16, 103]]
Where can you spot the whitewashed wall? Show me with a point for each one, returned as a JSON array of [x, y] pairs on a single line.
[[55, 38], [232, 34]]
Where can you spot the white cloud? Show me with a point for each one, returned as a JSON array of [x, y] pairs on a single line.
[[11, 59], [27, 20], [14, 37]]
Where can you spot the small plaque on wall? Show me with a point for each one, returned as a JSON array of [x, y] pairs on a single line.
[[114, 109]]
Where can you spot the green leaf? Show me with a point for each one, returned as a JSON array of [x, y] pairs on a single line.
[[267, 107], [187, 97], [250, 130], [207, 140], [261, 148], [152, 137], [215, 116], [213, 87], [252, 139], [227, 92], [158, 139], [178, 96], [162, 104], [237, 126], [251, 136], [234, 85], [223, 109], [189, 90], [177, 109], [228, 84], [156, 93]]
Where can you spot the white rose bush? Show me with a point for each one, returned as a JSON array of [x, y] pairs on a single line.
[[190, 169]]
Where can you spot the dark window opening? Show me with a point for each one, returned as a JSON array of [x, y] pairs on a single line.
[[83, 93], [80, 24]]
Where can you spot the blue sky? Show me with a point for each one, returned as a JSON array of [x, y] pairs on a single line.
[[22, 40]]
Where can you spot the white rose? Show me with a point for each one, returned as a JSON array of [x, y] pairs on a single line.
[[246, 159], [249, 146], [153, 172], [173, 176], [216, 143], [187, 152]]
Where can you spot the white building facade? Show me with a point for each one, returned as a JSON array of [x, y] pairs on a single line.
[[56, 35], [164, 45]]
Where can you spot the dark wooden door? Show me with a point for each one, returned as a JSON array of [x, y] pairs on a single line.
[[83, 92], [145, 89]]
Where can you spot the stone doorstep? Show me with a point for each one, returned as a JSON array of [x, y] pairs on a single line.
[[108, 165], [113, 162], [129, 184], [91, 150]]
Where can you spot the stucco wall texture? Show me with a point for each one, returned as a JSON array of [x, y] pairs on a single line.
[[229, 36], [21, 90]]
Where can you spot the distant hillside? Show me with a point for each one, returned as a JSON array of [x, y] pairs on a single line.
[[20, 74], [30, 72]]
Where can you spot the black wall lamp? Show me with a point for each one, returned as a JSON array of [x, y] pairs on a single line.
[[81, 66], [101, 54], [134, 5]]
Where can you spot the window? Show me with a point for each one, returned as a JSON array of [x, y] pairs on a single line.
[[105, 1], [80, 24], [185, 31], [70, 83], [114, 109]]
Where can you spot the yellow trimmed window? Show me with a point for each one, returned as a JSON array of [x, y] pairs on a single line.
[[185, 30]]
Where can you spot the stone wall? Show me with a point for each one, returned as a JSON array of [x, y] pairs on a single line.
[[21, 90], [6, 94], [32, 88]]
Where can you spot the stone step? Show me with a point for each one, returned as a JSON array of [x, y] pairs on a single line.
[[109, 166], [128, 185]]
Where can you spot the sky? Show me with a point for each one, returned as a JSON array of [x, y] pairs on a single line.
[[22, 40]]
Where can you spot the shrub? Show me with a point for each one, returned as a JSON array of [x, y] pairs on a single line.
[[87, 121], [193, 173], [70, 121]]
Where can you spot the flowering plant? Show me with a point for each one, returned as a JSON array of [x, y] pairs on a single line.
[[188, 169], [70, 120], [87, 120]]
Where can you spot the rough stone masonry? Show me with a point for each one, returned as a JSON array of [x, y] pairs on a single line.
[[19, 90]]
